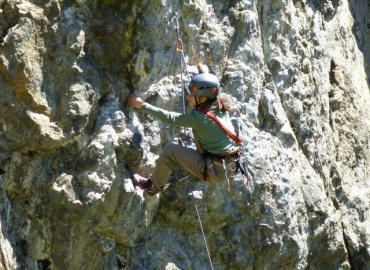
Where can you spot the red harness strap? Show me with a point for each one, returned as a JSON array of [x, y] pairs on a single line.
[[214, 118]]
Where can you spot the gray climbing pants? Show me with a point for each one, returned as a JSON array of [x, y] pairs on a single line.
[[174, 156]]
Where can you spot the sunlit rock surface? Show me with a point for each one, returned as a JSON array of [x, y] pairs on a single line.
[[298, 72]]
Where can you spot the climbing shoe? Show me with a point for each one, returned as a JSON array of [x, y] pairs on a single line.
[[143, 183]]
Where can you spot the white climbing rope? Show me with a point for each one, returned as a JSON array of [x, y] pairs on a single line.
[[204, 237]]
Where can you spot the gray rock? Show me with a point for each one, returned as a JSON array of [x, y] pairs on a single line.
[[298, 74]]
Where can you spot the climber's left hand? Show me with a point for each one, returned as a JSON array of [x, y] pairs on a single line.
[[135, 101]]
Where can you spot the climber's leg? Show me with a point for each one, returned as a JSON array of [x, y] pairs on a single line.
[[173, 156]]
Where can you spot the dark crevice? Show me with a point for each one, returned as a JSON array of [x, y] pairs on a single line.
[[332, 72], [336, 204], [120, 263], [23, 247], [357, 260], [347, 248], [44, 265], [8, 19]]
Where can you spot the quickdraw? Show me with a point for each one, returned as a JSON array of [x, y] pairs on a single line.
[[183, 65], [183, 68]]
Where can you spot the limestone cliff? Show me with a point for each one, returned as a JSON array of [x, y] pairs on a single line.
[[298, 71]]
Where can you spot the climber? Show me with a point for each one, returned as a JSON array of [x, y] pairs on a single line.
[[216, 154]]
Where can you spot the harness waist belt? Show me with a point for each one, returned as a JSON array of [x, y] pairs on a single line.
[[227, 155]]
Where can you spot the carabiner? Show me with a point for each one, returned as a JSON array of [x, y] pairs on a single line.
[[175, 24]]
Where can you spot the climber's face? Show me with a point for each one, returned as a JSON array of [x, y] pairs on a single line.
[[192, 101]]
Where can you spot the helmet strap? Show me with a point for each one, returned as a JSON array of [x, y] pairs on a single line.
[[198, 103]]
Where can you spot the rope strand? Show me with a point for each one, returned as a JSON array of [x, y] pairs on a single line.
[[183, 67], [204, 237]]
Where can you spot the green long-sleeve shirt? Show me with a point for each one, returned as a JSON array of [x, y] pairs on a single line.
[[206, 131]]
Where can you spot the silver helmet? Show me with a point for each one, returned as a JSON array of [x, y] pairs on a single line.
[[205, 85]]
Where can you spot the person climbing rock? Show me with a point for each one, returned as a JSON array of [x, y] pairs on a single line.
[[216, 153]]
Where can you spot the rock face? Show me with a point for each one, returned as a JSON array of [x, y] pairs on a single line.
[[299, 75]]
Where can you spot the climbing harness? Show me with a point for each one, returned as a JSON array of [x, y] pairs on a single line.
[[224, 160], [233, 157]]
